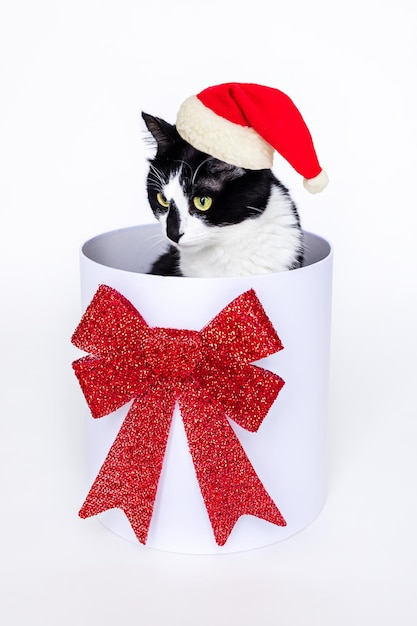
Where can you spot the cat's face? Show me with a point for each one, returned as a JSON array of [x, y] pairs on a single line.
[[195, 196]]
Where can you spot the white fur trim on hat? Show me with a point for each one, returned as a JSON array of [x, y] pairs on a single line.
[[316, 184], [222, 139]]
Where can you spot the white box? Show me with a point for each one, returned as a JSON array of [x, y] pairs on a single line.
[[288, 451]]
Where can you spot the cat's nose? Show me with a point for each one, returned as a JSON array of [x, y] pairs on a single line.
[[173, 223]]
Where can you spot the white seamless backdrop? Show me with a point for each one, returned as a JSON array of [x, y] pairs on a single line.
[[74, 77]]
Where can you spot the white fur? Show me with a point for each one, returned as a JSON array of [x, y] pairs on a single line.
[[256, 246]]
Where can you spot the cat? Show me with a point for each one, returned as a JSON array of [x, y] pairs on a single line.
[[219, 220]]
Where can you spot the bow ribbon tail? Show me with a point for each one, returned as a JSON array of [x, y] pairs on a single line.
[[228, 482], [129, 476]]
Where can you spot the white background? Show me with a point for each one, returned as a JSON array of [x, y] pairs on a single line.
[[74, 77]]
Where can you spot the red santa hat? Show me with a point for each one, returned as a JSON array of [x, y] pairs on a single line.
[[243, 124]]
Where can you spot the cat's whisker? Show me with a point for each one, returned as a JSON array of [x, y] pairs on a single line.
[[156, 240], [184, 163], [256, 209], [156, 180], [155, 185], [196, 172], [158, 175]]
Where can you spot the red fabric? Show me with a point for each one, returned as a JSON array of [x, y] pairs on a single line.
[[209, 374], [272, 114]]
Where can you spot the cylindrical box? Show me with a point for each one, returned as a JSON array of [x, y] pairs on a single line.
[[288, 451]]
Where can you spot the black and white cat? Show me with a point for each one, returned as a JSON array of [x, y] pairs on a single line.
[[218, 219]]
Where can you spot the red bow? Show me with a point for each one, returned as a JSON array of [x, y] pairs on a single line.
[[209, 374]]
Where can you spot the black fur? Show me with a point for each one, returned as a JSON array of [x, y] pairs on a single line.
[[167, 264]]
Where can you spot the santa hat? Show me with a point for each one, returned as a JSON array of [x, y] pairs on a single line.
[[243, 124]]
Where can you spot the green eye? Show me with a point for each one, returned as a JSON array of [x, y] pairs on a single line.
[[162, 200], [202, 203]]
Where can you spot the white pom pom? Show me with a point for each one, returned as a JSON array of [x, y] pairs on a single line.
[[316, 184]]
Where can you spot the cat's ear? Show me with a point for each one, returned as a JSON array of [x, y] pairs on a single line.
[[161, 131]]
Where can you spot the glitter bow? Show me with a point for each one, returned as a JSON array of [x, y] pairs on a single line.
[[209, 374]]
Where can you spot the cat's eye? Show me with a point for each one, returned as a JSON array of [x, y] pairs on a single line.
[[202, 203], [162, 200]]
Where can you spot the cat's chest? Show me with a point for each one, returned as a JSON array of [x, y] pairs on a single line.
[[215, 261], [269, 243]]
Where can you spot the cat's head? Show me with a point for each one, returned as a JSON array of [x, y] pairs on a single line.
[[193, 195]]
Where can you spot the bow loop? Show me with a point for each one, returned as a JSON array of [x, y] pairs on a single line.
[[110, 325], [241, 332]]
